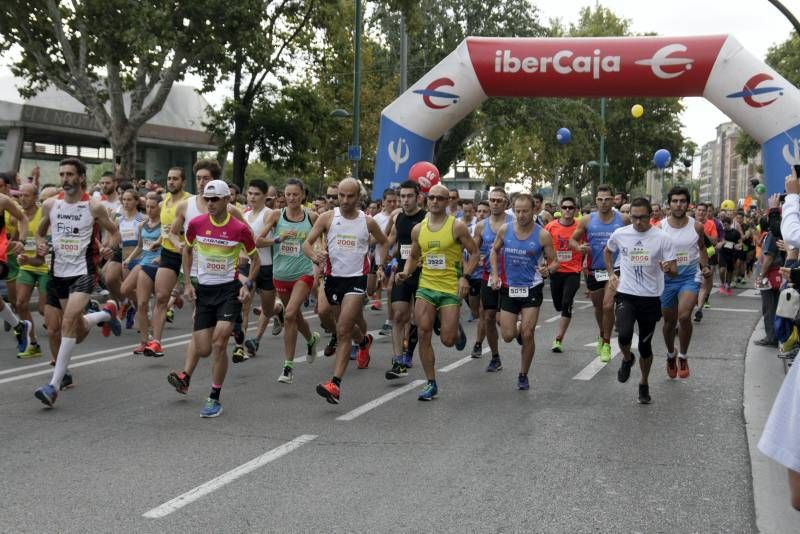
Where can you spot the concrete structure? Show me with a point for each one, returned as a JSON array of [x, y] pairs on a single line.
[[53, 125], [705, 175]]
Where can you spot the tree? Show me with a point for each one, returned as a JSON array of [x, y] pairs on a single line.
[[116, 58]]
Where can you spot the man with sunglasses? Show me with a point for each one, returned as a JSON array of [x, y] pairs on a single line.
[[453, 206], [565, 282], [590, 239], [645, 254], [332, 196]]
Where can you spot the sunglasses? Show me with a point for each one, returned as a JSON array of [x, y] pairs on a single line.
[[567, 207], [497, 200], [440, 198], [213, 199], [333, 196]]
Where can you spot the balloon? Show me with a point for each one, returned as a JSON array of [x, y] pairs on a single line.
[[557, 215], [425, 174], [761, 189], [727, 205], [563, 136], [662, 157], [637, 111]]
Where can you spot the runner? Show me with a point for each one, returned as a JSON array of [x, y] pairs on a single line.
[[217, 239], [703, 215], [74, 219], [645, 255], [680, 292], [347, 233], [565, 282], [384, 219], [438, 242], [148, 252], [521, 244], [129, 221], [727, 247], [32, 271], [485, 234], [405, 330], [475, 282]]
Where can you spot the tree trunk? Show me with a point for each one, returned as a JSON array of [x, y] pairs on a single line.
[[241, 123], [125, 157]]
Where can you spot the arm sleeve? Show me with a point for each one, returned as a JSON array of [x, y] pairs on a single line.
[[191, 233], [790, 222]]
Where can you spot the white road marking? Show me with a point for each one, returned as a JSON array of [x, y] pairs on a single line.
[[750, 293], [595, 366], [364, 408], [458, 363], [736, 310], [226, 478], [553, 318], [586, 306]]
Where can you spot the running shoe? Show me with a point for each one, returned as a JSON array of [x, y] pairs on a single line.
[[407, 360], [251, 346], [644, 394], [329, 391], [312, 347], [707, 305], [66, 382], [47, 394], [153, 348], [92, 306], [376, 305], [353, 351], [672, 367], [557, 346], [462, 338], [33, 351], [683, 368], [362, 358], [140, 348], [429, 391], [130, 317], [257, 311], [605, 353], [494, 365], [386, 330], [477, 350], [113, 324], [522, 383], [398, 370], [238, 333], [179, 380], [170, 316], [277, 322], [286, 376], [624, 372], [123, 310], [23, 334], [212, 408], [698, 315], [330, 348], [239, 355]]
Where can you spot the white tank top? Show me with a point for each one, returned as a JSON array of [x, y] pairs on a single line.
[[348, 244], [192, 211], [686, 250], [72, 228], [256, 222]]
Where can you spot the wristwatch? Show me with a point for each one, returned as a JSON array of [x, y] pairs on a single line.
[[249, 284]]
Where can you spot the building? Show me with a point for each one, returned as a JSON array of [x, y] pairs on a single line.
[[723, 174], [52, 125], [707, 191]]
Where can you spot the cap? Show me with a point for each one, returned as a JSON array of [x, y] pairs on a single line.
[[216, 188]]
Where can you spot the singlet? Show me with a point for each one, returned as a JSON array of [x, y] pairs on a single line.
[[30, 244], [192, 212], [570, 261], [348, 243], [441, 257], [150, 236], [129, 229], [487, 240], [520, 265], [168, 217], [597, 234], [404, 224], [217, 247], [256, 222], [288, 261], [75, 236], [684, 241], [383, 223]]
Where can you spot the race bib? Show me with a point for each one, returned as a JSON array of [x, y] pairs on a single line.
[[217, 264], [346, 242], [435, 261], [405, 252], [30, 244], [69, 247], [564, 255], [728, 244], [601, 276], [289, 248], [683, 258], [517, 292], [165, 230], [148, 244], [640, 257]]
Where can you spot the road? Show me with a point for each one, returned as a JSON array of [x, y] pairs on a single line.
[[123, 452]]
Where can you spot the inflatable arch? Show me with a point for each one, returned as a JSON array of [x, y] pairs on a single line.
[[716, 67]]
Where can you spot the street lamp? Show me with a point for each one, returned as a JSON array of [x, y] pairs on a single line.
[[354, 150]]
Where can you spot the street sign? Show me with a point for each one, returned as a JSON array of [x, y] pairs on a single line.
[[354, 152]]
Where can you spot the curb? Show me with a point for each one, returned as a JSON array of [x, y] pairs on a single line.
[[763, 376]]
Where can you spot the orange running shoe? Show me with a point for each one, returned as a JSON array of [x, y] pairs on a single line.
[[683, 368], [329, 391], [362, 357], [672, 367]]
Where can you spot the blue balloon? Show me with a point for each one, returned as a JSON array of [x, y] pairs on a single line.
[[563, 136], [662, 157]]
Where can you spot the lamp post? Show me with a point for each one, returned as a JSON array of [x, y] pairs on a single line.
[[354, 150]]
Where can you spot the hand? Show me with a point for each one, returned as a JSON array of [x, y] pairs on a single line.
[[781, 245], [786, 273], [613, 280], [585, 248], [319, 257], [105, 252], [36, 172], [189, 293], [380, 275], [774, 201], [495, 282], [287, 234], [401, 277], [665, 266], [244, 294], [17, 247], [737, 246], [463, 287], [792, 184], [42, 247], [22, 259], [544, 270]]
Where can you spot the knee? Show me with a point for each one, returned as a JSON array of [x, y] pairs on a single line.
[[685, 317]]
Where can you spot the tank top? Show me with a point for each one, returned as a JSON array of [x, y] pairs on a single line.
[[192, 211], [256, 222], [129, 229], [348, 244], [30, 244], [74, 235], [150, 236], [288, 261], [168, 217], [404, 224], [441, 258], [570, 261], [487, 240], [686, 250], [520, 265], [597, 234]]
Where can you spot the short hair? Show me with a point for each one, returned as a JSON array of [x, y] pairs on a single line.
[[642, 202], [538, 196], [410, 184], [8, 177], [570, 199], [606, 188], [499, 190], [126, 185], [623, 194], [210, 165], [75, 162], [524, 196], [180, 170], [483, 203], [297, 182], [259, 184], [388, 192], [678, 190], [467, 201]]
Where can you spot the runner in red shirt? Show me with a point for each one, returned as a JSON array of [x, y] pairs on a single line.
[[564, 283]]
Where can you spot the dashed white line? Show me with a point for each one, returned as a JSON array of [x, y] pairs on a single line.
[[371, 405], [595, 366]]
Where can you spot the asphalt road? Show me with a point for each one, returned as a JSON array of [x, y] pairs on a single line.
[[123, 452]]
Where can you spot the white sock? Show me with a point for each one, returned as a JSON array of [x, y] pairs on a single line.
[[682, 356], [388, 321], [97, 317], [7, 314], [62, 360], [670, 354]]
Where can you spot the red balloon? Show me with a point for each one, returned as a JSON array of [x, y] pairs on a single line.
[[425, 174]]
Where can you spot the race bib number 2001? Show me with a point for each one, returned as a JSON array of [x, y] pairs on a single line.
[[289, 248]]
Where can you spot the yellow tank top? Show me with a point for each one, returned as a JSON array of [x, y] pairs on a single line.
[[11, 222], [168, 217], [30, 244], [441, 258]]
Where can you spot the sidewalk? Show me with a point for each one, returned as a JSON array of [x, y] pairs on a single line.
[[763, 375]]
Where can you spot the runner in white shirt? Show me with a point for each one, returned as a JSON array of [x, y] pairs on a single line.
[[645, 254], [384, 219]]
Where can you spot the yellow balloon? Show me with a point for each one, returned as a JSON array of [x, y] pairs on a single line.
[[637, 111]]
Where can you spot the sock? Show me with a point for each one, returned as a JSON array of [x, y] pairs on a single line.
[[95, 318], [495, 356], [215, 391], [8, 315], [432, 382], [523, 375], [289, 364], [670, 355], [682, 356], [559, 338], [336, 381], [388, 322], [607, 340], [62, 360]]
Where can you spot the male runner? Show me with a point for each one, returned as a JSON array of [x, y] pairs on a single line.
[[384, 219], [438, 242], [703, 216], [566, 281], [347, 233], [645, 254]]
